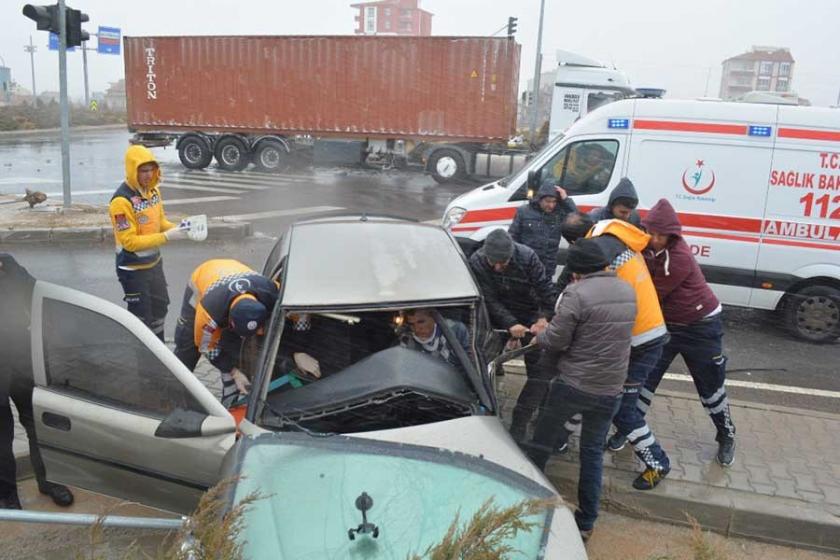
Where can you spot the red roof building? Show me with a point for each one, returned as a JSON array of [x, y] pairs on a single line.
[[392, 17], [767, 69]]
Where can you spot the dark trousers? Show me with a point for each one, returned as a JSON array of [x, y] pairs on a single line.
[[597, 412], [185, 348], [629, 421], [533, 393], [701, 346], [146, 295], [20, 392]]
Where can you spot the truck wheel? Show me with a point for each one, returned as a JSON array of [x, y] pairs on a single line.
[[813, 313], [232, 154], [195, 153], [447, 165], [271, 156]]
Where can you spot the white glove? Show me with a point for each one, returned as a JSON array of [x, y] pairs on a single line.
[[176, 233], [307, 364], [241, 382]]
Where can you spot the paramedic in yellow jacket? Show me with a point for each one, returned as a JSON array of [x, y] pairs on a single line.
[[623, 243], [140, 228]]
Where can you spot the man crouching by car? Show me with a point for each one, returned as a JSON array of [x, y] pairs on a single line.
[[589, 336]]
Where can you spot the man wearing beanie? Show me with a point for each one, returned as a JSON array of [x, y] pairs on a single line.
[[538, 223], [224, 302], [518, 295], [589, 340], [621, 204]]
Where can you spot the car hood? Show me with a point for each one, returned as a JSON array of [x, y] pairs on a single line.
[[311, 485]]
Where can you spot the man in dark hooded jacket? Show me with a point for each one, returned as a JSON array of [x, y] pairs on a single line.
[[693, 315], [16, 286], [538, 223], [621, 204], [518, 295]]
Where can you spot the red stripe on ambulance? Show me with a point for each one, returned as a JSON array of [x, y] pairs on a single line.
[[685, 126], [806, 134]]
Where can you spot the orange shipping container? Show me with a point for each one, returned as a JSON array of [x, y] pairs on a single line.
[[424, 88]]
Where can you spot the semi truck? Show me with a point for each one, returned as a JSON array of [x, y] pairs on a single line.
[[447, 103]]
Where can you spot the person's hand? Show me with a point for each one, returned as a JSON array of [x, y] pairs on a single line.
[[176, 234], [307, 364], [539, 326], [513, 344], [518, 331], [561, 192], [241, 382]]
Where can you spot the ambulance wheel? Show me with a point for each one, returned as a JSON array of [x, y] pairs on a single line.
[[447, 165], [232, 154], [195, 153], [813, 313]]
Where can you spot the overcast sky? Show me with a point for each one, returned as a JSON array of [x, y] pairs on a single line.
[[658, 43]]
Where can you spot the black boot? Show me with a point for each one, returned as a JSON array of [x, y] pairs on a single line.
[[60, 494], [10, 501]]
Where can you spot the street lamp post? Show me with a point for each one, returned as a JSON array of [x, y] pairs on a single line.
[[30, 48], [537, 71], [65, 106]]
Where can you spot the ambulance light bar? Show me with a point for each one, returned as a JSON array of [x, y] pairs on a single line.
[[618, 123], [756, 130]]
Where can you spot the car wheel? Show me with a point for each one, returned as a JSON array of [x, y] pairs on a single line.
[[231, 153], [813, 313], [447, 165]]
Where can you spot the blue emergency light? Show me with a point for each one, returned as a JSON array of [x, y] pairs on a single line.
[[756, 130], [618, 123]]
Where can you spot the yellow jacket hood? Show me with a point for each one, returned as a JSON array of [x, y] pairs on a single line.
[[136, 156], [629, 234]]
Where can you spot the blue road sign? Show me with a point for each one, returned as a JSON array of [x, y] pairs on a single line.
[[53, 43], [109, 40]]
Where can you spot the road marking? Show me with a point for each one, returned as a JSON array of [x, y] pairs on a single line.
[[277, 213], [29, 181], [176, 201], [81, 193], [169, 185], [203, 184], [246, 178], [764, 386]]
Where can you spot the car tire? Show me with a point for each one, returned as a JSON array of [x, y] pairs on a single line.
[[447, 165], [232, 153], [271, 156], [195, 153], [813, 313]]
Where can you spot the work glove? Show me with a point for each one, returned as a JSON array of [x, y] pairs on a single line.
[[176, 234], [307, 364], [241, 381]]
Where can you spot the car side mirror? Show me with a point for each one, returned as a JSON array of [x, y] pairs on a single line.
[[181, 424]]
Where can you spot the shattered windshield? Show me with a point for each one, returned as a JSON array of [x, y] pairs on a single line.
[[313, 487], [368, 370]]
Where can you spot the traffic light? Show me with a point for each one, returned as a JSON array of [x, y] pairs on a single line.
[[45, 17], [75, 34], [512, 26]]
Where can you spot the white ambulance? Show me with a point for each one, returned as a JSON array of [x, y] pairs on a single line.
[[756, 187]]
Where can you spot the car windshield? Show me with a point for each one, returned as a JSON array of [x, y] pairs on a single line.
[[353, 371], [415, 495], [550, 147]]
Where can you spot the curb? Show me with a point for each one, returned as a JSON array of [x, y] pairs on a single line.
[[733, 513], [215, 232]]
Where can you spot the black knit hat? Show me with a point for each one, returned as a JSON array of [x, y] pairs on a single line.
[[586, 257], [498, 247]]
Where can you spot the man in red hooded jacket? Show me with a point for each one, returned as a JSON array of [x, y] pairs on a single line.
[[693, 315]]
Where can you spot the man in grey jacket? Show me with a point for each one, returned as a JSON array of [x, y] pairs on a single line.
[[590, 336]]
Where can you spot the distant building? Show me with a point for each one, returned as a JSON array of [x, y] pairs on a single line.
[[767, 69], [115, 96], [392, 17]]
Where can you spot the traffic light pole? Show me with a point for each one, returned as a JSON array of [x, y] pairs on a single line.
[[84, 65], [65, 106], [537, 71]]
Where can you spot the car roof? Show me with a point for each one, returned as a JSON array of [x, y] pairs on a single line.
[[357, 260]]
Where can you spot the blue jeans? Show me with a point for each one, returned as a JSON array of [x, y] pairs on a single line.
[[563, 402], [630, 421], [701, 346]]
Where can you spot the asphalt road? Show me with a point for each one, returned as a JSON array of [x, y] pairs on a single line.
[[759, 350]]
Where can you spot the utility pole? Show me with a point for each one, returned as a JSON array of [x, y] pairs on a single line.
[[537, 71], [30, 48], [84, 65], [65, 108]]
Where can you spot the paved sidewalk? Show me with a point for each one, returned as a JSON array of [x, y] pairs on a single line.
[[784, 486]]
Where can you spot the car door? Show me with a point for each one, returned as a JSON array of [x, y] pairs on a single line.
[[115, 411]]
